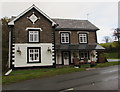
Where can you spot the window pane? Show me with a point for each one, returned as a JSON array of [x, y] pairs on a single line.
[[31, 37], [81, 54], [31, 57], [35, 37], [67, 39], [81, 40], [86, 55], [63, 40]]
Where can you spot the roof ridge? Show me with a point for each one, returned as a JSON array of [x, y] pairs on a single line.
[[67, 19]]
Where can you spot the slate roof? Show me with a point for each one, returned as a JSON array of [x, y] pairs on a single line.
[[72, 24], [79, 47]]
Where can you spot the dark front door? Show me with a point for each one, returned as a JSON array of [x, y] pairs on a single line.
[[65, 57]]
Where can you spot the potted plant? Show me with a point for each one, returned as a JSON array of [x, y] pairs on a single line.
[[92, 64], [85, 60]]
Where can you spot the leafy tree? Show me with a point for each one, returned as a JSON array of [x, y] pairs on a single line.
[[117, 34], [107, 39], [5, 43]]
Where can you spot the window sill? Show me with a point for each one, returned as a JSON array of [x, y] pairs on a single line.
[[34, 62]]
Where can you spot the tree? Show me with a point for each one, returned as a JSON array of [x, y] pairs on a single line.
[[107, 39], [116, 34], [5, 43]]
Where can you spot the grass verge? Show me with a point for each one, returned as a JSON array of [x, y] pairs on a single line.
[[21, 75], [100, 65]]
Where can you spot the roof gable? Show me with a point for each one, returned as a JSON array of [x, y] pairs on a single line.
[[27, 10]]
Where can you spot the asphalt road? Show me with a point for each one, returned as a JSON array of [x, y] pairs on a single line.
[[113, 60], [93, 79]]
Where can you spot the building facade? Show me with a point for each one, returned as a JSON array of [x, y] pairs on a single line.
[[38, 40]]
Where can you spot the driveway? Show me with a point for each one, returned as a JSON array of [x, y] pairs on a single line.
[[93, 79]]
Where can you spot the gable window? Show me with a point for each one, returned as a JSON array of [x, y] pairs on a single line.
[[65, 37], [82, 38], [34, 54], [33, 36], [84, 55]]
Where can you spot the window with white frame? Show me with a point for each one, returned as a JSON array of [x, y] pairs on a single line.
[[83, 38], [33, 36], [65, 37], [84, 55], [33, 54]]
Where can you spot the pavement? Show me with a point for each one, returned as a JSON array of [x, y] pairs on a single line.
[[92, 79]]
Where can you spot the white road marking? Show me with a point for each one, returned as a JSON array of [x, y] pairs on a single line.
[[69, 89]]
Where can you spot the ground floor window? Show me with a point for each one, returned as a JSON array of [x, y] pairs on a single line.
[[84, 55], [34, 54]]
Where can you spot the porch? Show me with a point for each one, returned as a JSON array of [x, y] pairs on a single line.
[[84, 52]]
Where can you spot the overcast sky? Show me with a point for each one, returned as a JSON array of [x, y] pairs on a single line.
[[102, 14]]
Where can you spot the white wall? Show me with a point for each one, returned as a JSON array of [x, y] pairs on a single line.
[[58, 57], [93, 58], [21, 59], [9, 48]]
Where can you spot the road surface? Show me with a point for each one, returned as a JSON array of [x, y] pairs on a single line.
[[112, 60], [93, 79]]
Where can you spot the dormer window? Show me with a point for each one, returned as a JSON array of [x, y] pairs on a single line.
[[82, 38], [65, 37]]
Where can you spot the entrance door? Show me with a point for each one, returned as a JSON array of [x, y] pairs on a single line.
[[65, 57]]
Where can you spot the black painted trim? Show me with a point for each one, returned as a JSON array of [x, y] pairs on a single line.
[[28, 54], [96, 36], [86, 36], [11, 45], [60, 38], [69, 57], [54, 64], [28, 35], [34, 67]]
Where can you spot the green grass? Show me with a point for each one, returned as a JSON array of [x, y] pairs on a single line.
[[100, 65], [112, 44], [21, 75]]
